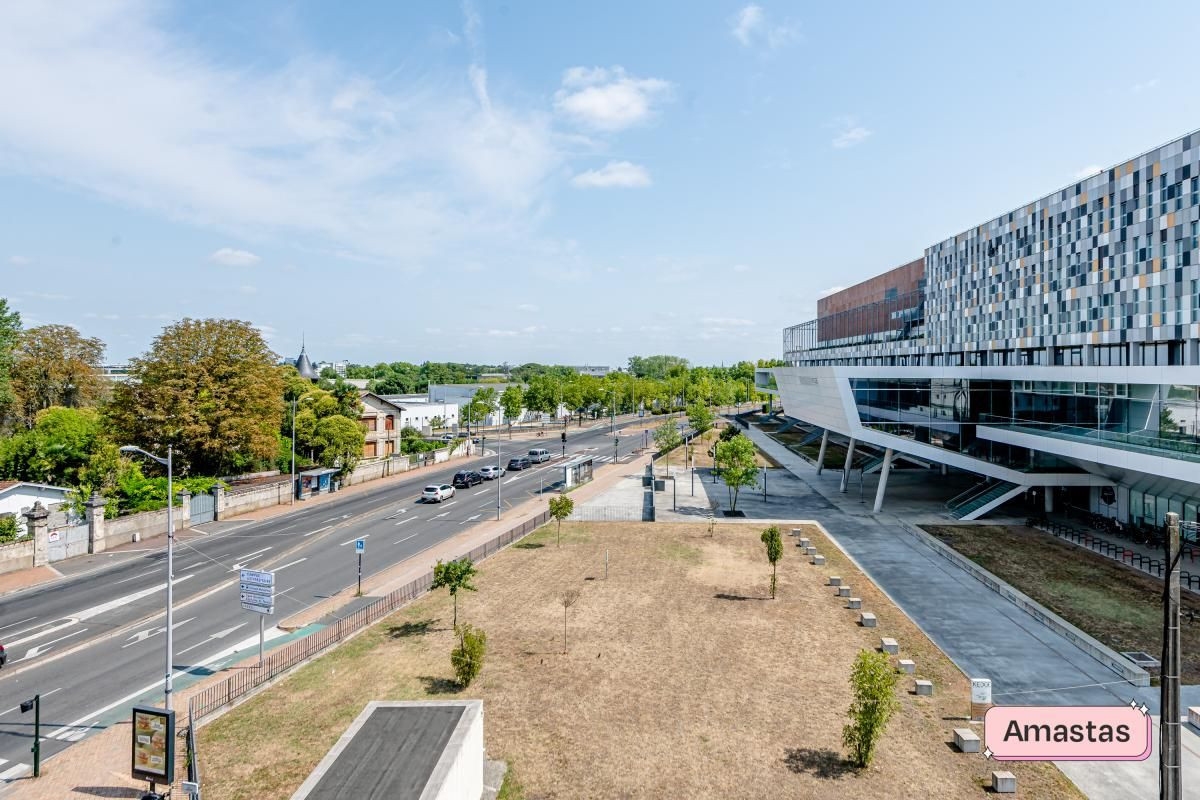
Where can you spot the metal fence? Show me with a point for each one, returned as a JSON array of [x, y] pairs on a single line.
[[628, 512], [242, 682], [1115, 550]]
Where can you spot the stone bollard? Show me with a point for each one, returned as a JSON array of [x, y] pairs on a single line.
[[853, 602], [1004, 783], [797, 531], [889, 646], [810, 551], [924, 688], [818, 560], [804, 542], [843, 591], [966, 740], [866, 619], [834, 580], [907, 665]]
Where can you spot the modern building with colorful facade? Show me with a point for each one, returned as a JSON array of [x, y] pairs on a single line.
[[1053, 351]]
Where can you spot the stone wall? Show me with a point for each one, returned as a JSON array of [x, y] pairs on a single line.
[[144, 526], [16, 555], [253, 499]]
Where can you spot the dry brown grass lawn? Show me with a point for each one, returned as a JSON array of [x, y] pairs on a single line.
[[681, 680]]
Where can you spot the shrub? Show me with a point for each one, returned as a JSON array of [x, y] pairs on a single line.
[[467, 658], [873, 682], [730, 431], [8, 528]]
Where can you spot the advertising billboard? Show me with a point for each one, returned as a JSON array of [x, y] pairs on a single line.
[[153, 744]]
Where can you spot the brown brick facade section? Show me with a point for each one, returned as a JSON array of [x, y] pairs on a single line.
[[869, 307]]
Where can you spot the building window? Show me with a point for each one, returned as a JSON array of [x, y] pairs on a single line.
[[368, 423]]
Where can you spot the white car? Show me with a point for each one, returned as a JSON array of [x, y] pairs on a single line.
[[490, 473], [437, 493]]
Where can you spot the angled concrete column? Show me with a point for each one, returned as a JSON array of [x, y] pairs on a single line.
[[1048, 493], [846, 466], [95, 520], [821, 455], [883, 478]]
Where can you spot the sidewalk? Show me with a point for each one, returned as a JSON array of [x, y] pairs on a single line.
[[986, 636], [99, 765]]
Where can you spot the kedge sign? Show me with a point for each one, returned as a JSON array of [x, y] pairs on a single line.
[[1067, 733]]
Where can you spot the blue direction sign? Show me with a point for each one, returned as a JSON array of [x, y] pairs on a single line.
[[360, 545]]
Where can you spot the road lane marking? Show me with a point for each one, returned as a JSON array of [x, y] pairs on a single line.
[[470, 519], [481, 491], [211, 636], [149, 633], [401, 522], [452, 502], [406, 538], [289, 564], [443, 514], [37, 650], [318, 530], [355, 539], [16, 772], [15, 624], [139, 575], [14, 708], [255, 553]]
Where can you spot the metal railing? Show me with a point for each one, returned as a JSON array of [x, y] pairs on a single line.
[[241, 683], [1115, 550]]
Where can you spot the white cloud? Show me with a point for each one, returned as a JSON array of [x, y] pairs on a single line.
[[728, 322], [751, 27], [1145, 86], [529, 307], [850, 134], [234, 258], [433, 331], [246, 288], [609, 99], [498, 332], [20, 261], [741, 267], [266, 330], [46, 295], [389, 167], [1088, 171], [623, 174]]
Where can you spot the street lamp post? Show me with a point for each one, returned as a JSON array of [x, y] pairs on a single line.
[[293, 451], [499, 476], [167, 462]]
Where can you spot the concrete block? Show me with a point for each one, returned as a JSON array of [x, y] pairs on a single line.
[[966, 740], [797, 531], [907, 665], [925, 687], [889, 646], [810, 551], [853, 602], [866, 619], [834, 580], [819, 560], [1194, 716], [843, 591], [1004, 783], [804, 542]]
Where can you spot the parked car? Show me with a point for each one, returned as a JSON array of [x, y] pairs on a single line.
[[437, 493], [4, 655], [445, 437], [520, 462], [465, 479], [491, 473], [539, 454]]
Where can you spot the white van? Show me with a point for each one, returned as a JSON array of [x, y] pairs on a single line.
[[539, 454]]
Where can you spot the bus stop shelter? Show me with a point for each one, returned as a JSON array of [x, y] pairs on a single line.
[[577, 471]]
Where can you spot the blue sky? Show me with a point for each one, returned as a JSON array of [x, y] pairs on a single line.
[[562, 182]]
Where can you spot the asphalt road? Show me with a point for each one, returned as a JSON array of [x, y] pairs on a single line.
[[92, 644]]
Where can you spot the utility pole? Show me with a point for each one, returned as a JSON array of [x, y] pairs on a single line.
[[499, 476], [36, 706], [293, 451], [1170, 785]]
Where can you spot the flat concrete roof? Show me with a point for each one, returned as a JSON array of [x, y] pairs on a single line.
[[388, 753]]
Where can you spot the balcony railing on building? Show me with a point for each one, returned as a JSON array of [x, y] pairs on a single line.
[[899, 318]]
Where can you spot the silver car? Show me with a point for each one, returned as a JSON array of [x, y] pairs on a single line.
[[490, 473], [437, 493]]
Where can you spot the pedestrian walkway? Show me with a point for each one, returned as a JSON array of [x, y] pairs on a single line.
[[985, 635]]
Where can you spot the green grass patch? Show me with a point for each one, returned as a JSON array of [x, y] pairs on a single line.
[[679, 551], [1116, 604]]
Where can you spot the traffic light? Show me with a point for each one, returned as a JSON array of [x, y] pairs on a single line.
[[564, 437]]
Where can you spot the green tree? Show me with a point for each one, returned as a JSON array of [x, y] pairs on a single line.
[[467, 658], [454, 576], [561, 508], [666, 436], [54, 366], [512, 400], [210, 388], [8, 528], [10, 331], [774, 542], [657, 367], [699, 417], [482, 403], [873, 681], [340, 442], [63, 448], [735, 458]]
